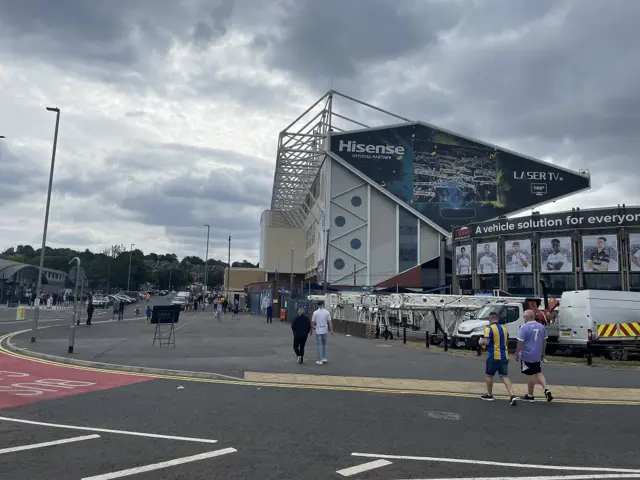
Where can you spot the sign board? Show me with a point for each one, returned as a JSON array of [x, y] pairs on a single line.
[[604, 218], [165, 314], [73, 274], [450, 179]]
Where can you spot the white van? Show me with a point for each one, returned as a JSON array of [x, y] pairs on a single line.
[[182, 299], [598, 318], [595, 316]]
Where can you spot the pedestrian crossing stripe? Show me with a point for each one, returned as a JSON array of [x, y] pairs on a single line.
[[628, 329]]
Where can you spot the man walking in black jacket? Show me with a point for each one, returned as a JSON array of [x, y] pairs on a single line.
[[301, 327]]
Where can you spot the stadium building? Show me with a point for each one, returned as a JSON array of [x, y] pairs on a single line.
[[372, 201]]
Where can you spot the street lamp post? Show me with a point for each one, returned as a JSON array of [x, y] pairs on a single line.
[[129, 274], [36, 310], [228, 269], [206, 259], [291, 279]]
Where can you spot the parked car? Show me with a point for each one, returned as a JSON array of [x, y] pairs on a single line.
[[100, 301], [124, 298]]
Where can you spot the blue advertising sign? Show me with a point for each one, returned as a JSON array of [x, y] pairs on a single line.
[[452, 180]]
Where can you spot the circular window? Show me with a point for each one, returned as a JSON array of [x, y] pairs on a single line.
[[340, 221], [355, 243], [356, 201], [338, 264]]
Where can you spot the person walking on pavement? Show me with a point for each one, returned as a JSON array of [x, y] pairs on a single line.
[[269, 313], [301, 327], [116, 309], [532, 343], [496, 339], [321, 321], [121, 311], [90, 309]]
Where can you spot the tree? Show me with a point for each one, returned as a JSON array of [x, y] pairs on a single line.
[[110, 267]]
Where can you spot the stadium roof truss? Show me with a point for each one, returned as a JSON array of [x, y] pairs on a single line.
[[301, 148]]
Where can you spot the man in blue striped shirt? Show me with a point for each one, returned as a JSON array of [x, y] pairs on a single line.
[[496, 339]]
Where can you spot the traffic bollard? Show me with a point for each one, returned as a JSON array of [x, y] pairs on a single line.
[[589, 354], [446, 342], [404, 335], [426, 339]]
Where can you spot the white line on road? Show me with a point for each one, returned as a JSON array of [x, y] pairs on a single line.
[[561, 477], [364, 467], [497, 464], [105, 430], [48, 444], [158, 466], [186, 323]]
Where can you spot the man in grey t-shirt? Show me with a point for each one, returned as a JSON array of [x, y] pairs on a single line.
[[321, 321], [532, 343]]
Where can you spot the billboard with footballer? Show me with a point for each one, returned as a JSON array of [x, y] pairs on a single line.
[[450, 179]]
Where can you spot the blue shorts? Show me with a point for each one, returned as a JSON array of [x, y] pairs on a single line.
[[501, 367]]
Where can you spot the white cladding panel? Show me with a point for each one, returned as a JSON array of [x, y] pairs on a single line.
[[348, 228], [384, 249], [429, 243]]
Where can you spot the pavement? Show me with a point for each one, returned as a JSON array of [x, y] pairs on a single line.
[[249, 344], [70, 422]]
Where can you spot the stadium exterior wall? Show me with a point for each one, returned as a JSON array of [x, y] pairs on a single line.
[[276, 237], [372, 238], [574, 250]]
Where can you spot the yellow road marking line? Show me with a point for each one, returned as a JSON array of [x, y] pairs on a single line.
[[312, 385], [566, 391]]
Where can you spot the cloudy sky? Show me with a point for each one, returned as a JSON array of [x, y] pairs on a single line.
[[171, 108]]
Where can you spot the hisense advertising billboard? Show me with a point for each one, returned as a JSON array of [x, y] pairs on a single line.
[[452, 180]]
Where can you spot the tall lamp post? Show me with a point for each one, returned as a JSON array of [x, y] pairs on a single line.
[[129, 274], [291, 279], [36, 310], [206, 259], [228, 269]]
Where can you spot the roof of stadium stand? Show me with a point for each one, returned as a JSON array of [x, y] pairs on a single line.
[[301, 147]]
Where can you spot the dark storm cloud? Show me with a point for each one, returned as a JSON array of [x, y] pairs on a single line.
[[334, 38], [238, 186], [115, 41], [20, 176]]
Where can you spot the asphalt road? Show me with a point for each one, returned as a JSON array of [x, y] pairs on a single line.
[[120, 426], [309, 434]]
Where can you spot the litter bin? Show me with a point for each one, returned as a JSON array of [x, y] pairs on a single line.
[[20, 313]]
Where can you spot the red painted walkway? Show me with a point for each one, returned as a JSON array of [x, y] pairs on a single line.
[[23, 382]]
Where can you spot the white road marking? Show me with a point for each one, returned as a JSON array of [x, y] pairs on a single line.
[[561, 477], [186, 323], [48, 444], [498, 464], [364, 467], [105, 430], [158, 466], [442, 415]]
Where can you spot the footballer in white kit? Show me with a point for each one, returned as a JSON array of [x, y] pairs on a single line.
[[464, 263], [519, 261], [556, 259], [486, 263]]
